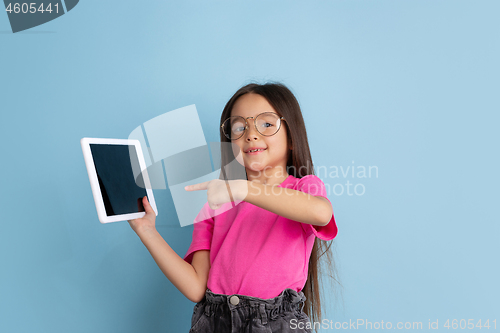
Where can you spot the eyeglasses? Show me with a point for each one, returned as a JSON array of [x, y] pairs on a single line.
[[266, 123]]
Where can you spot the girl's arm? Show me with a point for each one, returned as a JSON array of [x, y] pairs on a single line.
[[191, 280], [292, 204]]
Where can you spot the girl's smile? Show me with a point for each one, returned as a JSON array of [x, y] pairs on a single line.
[[255, 151]]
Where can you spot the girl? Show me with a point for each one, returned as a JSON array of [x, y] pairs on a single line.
[[253, 262]]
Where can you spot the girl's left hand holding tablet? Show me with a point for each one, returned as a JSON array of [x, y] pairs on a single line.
[[221, 191], [147, 221]]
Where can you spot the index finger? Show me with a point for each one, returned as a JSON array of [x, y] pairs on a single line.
[[196, 187]]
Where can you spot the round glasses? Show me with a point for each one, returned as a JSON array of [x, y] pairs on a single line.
[[267, 124]]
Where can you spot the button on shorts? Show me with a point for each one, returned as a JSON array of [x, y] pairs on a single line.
[[220, 313]]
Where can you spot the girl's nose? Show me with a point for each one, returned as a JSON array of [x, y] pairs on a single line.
[[251, 133]]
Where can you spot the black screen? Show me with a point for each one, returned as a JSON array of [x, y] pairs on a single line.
[[121, 194]]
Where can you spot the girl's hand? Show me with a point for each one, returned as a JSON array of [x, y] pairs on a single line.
[[147, 221], [220, 191]]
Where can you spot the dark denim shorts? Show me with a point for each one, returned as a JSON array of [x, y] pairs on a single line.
[[220, 313]]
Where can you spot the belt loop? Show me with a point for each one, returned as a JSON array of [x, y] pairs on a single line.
[[263, 313], [207, 309]]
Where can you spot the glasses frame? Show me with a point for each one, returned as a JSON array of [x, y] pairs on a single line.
[[254, 123]]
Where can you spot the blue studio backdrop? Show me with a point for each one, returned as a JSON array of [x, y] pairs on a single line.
[[408, 88]]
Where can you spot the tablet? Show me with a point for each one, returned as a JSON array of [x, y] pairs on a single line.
[[118, 178]]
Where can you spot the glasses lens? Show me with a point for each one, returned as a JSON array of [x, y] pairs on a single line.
[[268, 123], [234, 127]]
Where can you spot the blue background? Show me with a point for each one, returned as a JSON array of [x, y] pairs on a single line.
[[409, 87]]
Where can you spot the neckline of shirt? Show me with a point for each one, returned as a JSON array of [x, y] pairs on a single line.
[[287, 180]]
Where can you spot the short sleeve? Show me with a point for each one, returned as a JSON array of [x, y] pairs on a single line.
[[313, 185], [202, 233]]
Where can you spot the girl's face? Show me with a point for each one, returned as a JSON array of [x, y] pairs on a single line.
[[276, 150]]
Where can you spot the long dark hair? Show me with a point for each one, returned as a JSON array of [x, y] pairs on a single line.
[[299, 164]]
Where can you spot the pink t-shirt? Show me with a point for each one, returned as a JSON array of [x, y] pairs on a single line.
[[255, 252]]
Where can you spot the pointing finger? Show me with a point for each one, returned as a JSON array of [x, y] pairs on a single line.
[[196, 187]]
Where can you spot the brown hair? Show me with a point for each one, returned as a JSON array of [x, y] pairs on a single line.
[[299, 164]]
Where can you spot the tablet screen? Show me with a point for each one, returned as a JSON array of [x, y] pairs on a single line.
[[120, 193]]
